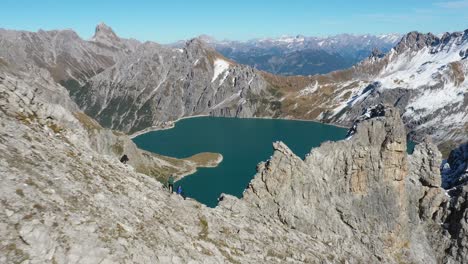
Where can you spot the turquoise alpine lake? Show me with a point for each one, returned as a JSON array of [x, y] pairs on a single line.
[[242, 142]]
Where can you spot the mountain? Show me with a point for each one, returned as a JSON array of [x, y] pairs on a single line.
[[302, 55], [62, 52], [66, 198], [156, 84], [423, 75], [131, 86]]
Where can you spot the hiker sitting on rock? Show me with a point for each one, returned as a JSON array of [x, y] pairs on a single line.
[[170, 183], [180, 192], [124, 159]]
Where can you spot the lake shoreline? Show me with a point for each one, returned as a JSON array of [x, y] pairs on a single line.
[[171, 124], [243, 143]]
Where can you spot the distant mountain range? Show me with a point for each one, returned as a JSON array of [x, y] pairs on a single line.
[[302, 55]]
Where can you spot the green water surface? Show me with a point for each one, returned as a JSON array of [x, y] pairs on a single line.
[[242, 142]]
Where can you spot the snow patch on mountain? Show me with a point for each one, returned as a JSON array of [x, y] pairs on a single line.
[[219, 66], [310, 89], [226, 73], [431, 100], [414, 69]]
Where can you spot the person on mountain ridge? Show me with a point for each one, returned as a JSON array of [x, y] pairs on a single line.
[[124, 159], [170, 183]]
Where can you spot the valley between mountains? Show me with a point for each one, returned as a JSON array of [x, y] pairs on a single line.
[[67, 105], [129, 86]]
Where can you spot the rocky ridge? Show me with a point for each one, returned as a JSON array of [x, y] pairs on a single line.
[[64, 200]]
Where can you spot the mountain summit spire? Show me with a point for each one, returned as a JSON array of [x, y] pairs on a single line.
[[104, 34]]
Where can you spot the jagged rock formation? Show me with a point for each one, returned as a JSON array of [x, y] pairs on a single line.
[[62, 52], [366, 195], [362, 200], [105, 36]]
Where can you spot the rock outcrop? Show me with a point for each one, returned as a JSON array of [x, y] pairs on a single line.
[[365, 195]]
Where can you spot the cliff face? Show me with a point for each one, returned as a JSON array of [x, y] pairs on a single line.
[[65, 197], [156, 84], [366, 195]]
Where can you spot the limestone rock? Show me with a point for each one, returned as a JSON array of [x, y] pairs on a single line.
[[363, 194], [425, 162]]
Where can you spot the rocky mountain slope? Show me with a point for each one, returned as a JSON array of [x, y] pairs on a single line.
[[62, 52], [424, 76], [157, 84], [302, 55], [130, 86], [34, 98], [64, 199]]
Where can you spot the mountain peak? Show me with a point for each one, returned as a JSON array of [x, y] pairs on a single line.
[[105, 34], [415, 40], [198, 42]]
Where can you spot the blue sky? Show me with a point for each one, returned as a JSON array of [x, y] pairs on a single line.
[[168, 21]]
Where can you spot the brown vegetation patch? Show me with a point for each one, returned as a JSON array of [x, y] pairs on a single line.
[[286, 83], [117, 149], [347, 95], [205, 159], [334, 77], [3, 62], [457, 73], [20, 192], [56, 128], [87, 122], [26, 118]]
